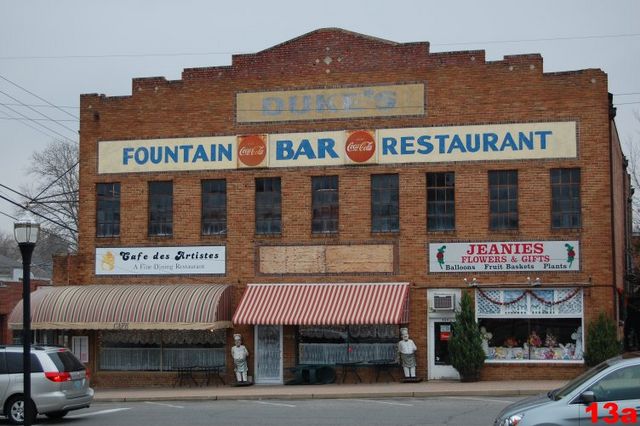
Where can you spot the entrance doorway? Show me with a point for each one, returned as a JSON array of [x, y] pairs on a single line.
[[439, 364], [268, 360]]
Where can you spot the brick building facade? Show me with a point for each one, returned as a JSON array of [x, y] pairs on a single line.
[[337, 159]]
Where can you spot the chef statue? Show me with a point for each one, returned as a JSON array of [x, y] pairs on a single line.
[[407, 350], [239, 353]]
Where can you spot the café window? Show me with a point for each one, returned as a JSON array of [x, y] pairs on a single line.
[[385, 203], [441, 211], [347, 343], [214, 207], [503, 199], [268, 206], [164, 350], [325, 204], [108, 210], [531, 325], [160, 208], [565, 198]]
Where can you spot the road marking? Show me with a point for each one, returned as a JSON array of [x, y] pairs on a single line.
[[381, 402], [164, 405], [95, 413], [269, 403], [479, 399]]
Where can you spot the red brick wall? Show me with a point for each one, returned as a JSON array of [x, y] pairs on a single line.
[[462, 88], [9, 298]]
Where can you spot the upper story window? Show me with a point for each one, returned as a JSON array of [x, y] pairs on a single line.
[[565, 198], [214, 207], [268, 206], [385, 203], [325, 204], [161, 208], [108, 209], [441, 210], [503, 199]]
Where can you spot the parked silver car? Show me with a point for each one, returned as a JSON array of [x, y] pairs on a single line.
[[608, 393], [59, 382]]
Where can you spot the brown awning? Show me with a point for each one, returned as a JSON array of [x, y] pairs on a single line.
[[128, 307]]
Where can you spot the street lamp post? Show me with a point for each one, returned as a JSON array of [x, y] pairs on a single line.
[[26, 231]]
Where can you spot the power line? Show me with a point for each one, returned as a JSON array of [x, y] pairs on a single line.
[[38, 119], [39, 124], [172, 54], [42, 99], [32, 127], [60, 224], [42, 105], [38, 112]]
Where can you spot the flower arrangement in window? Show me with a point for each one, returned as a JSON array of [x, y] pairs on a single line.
[[511, 342], [534, 340], [550, 341]]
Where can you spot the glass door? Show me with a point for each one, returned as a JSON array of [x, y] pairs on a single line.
[[268, 361]]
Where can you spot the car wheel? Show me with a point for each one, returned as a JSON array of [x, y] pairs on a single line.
[[15, 411], [57, 414]]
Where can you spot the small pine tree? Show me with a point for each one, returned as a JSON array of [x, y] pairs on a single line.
[[465, 344], [602, 340]]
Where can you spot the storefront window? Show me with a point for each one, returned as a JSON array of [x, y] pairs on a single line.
[[348, 343], [531, 325], [161, 350]]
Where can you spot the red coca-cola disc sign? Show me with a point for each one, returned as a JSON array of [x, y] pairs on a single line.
[[252, 150], [360, 146]]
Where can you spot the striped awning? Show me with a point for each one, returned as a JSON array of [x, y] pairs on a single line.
[[324, 304], [128, 307]]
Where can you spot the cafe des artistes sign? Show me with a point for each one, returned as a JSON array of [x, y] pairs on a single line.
[[511, 256], [160, 260]]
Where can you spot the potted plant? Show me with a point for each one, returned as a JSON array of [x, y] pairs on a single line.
[[602, 340], [465, 344]]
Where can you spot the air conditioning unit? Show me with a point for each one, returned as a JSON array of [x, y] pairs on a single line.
[[443, 302]]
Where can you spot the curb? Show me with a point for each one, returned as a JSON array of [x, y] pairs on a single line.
[[337, 395]]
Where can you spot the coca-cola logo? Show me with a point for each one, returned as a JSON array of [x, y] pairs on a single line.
[[360, 146], [252, 150]]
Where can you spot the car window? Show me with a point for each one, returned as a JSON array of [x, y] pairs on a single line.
[[66, 361], [578, 381], [620, 385], [3, 367], [14, 363]]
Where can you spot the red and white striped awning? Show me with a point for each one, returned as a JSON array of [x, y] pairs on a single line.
[[128, 307], [324, 304]]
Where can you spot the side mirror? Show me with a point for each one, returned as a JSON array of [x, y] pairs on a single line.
[[587, 397]]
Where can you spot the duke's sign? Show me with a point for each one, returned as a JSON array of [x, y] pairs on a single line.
[[318, 104], [518, 141]]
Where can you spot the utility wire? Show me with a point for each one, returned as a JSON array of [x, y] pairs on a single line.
[[62, 225], [170, 54], [40, 124], [42, 99], [50, 210], [41, 105], [40, 119], [33, 127], [38, 112]]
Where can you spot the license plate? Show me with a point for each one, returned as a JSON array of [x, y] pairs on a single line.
[[78, 384]]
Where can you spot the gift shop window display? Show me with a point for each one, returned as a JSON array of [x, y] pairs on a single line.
[[524, 325]]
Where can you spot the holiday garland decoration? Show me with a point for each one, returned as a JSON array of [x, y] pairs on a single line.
[[533, 294]]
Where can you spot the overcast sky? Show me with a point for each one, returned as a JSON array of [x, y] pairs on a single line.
[[61, 49]]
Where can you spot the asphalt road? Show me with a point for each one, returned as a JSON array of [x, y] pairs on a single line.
[[458, 411]]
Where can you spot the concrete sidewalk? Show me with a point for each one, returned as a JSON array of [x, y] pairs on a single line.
[[331, 391]]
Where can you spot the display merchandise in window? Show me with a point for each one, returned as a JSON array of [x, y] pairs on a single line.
[[531, 324]]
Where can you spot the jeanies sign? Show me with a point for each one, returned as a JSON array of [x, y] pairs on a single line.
[[511, 256], [160, 260], [490, 142]]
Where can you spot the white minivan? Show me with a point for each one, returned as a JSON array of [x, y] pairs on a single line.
[[59, 382]]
